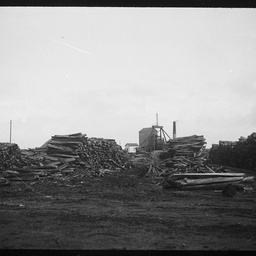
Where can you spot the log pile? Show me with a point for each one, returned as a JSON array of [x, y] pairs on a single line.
[[206, 181], [186, 168], [187, 146], [64, 154], [10, 156], [189, 164], [185, 154]]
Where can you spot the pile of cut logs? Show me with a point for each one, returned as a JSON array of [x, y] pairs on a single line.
[[10, 156], [188, 164], [205, 181], [187, 146], [186, 154], [186, 169], [64, 154]]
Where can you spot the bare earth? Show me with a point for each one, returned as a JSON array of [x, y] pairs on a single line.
[[123, 211]]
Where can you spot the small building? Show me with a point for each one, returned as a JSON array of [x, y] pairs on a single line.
[[131, 147]]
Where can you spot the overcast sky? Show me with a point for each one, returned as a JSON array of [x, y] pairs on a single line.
[[106, 72]]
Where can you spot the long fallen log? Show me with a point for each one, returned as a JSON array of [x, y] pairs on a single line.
[[180, 176], [195, 182], [65, 156], [217, 186]]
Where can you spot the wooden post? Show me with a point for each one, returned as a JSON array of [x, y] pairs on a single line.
[[10, 131], [174, 130], [154, 139]]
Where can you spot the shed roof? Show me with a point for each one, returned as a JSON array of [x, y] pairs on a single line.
[[146, 129], [131, 144]]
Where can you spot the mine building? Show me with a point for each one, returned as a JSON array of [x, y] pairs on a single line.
[[152, 138]]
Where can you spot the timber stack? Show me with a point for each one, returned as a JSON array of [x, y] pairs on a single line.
[[188, 146], [185, 154], [186, 168], [64, 154], [76, 151], [10, 156]]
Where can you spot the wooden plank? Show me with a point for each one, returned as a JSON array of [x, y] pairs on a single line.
[[190, 182], [209, 186], [65, 152], [71, 142], [60, 147], [67, 138], [65, 155], [51, 158], [204, 175], [63, 167]]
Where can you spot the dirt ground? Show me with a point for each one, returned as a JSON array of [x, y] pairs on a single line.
[[123, 211]]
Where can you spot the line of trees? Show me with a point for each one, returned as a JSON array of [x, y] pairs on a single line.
[[240, 155]]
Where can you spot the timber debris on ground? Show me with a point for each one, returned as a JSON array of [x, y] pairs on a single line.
[[181, 166], [184, 166]]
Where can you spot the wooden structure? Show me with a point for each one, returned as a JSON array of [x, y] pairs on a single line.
[[152, 138]]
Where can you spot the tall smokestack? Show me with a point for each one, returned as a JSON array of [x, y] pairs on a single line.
[[174, 130]]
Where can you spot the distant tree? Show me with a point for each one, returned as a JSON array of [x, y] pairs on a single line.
[[240, 155]]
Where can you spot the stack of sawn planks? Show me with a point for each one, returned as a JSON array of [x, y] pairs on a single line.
[[187, 146], [186, 154]]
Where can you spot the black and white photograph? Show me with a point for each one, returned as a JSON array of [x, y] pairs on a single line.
[[127, 128]]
